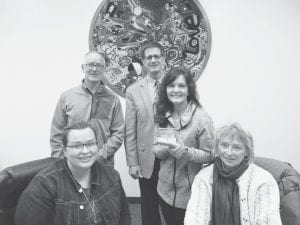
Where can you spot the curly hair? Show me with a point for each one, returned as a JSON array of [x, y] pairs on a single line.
[[164, 105]]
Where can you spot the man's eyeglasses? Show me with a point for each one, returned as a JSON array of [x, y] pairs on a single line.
[[90, 146], [92, 65], [156, 57]]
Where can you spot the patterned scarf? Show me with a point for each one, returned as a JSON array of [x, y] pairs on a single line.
[[225, 194]]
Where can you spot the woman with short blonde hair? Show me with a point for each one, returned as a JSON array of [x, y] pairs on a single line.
[[233, 191]]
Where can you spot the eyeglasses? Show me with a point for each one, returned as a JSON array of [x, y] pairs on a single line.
[[78, 148], [156, 57], [92, 65]]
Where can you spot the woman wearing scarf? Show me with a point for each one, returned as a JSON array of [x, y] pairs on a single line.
[[233, 191]]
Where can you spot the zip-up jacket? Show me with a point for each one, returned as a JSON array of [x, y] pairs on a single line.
[[176, 175], [103, 109]]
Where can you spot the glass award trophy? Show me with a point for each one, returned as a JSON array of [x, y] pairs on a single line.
[[166, 135]]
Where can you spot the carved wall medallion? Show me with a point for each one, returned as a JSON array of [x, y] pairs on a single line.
[[120, 27]]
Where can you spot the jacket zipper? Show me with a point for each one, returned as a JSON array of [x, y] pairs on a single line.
[[174, 183], [92, 103], [188, 177], [174, 180]]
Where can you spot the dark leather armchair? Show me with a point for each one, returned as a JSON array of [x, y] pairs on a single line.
[[13, 180], [288, 180]]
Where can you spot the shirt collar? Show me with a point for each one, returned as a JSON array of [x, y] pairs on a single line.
[[96, 176], [100, 87], [151, 81]]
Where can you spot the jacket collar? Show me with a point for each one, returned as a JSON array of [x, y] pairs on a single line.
[[187, 115], [247, 175], [95, 174], [146, 97], [100, 89]]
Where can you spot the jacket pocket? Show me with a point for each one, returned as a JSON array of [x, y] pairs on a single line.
[[63, 213]]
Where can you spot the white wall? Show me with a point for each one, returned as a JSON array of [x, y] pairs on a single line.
[[252, 75]]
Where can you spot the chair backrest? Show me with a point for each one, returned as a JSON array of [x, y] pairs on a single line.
[[288, 180], [13, 180]]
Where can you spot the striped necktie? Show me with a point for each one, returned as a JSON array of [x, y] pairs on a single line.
[[156, 87]]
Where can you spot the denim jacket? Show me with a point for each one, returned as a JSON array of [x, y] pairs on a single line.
[[53, 197]]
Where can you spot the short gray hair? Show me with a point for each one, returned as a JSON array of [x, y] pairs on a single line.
[[244, 136], [103, 55]]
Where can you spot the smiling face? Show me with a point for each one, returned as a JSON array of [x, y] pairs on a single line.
[[93, 68], [153, 62], [77, 157], [177, 91], [232, 150]]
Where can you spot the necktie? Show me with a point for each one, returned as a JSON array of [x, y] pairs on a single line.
[[156, 86]]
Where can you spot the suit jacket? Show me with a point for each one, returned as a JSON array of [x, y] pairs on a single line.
[[139, 128]]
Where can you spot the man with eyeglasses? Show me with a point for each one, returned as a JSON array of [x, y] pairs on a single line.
[[90, 101], [139, 130]]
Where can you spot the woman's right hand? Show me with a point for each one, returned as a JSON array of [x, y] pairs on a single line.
[[174, 148], [178, 151]]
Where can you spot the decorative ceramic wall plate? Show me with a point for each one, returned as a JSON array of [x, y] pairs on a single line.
[[120, 27]]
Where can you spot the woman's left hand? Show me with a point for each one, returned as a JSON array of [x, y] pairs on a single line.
[[178, 151], [174, 148]]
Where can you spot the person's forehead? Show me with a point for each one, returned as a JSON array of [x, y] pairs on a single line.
[[81, 136], [232, 138], [180, 79], [94, 57], [152, 50]]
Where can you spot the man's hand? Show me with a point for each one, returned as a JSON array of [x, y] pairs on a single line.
[[134, 172]]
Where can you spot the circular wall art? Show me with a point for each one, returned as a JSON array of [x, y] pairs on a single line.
[[120, 27]]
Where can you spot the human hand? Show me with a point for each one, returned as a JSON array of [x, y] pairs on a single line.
[[175, 148], [178, 151], [135, 172], [100, 153], [167, 143]]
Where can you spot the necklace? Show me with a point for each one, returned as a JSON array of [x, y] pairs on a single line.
[[84, 194], [91, 206]]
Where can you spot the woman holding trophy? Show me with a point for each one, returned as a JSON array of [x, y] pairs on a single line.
[[184, 140]]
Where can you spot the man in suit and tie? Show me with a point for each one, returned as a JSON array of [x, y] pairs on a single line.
[[139, 131]]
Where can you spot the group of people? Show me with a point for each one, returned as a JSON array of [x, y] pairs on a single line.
[[186, 171]]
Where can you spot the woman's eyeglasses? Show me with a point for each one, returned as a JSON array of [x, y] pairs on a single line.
[[90, 146]]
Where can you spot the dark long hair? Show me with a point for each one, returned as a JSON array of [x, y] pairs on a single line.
[[164, 105]]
